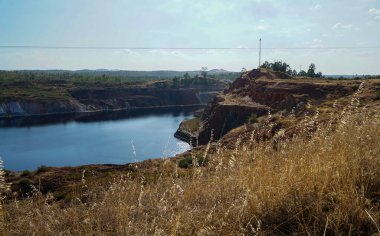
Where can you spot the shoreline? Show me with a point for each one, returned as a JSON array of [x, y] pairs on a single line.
[[186, 137], [96, 111]]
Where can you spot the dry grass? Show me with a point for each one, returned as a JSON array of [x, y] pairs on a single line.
[[191, 126], [324, 183]]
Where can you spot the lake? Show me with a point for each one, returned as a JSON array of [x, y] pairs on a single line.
[[103, 138]]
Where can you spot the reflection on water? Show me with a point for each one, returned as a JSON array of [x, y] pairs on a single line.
[[70, 140]]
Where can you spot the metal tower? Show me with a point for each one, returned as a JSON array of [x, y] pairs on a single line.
[[260, 53]]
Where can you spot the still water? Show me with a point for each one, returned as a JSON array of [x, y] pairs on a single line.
[[115, 138]]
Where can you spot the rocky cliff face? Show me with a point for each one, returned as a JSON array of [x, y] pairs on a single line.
[[135, 97], [99, 99], [258, 92], [27, 107]]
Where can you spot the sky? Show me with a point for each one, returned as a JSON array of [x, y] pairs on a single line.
[[319, 26]]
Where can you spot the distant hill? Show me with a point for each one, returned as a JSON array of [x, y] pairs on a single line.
[[131, 73], [347, 76], [218, 71]]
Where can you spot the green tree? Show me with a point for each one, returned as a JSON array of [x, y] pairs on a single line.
[[175, 82], [204, 72], [302, 73], [186, 76], [196, 79], [311, 71], [277, 66], [294, 73], [266, 65]]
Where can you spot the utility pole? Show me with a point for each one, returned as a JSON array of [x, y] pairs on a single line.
[[259, 52]]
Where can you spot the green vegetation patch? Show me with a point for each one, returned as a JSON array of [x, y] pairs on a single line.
[[252, 119], [35, 93], [187, 162], [25, 173], [42, 168], [190, 126]]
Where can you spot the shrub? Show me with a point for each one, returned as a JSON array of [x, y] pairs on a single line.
[[188, 161], [252, 118], [25, 173], [202, 161], [377, 96], [42, 168], [191, 125], [65, 196]]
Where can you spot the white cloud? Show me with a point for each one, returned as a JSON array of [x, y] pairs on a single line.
[[340, 25], [125, 51], [336, 25], [168, 52], [346, 26], [260, 28], [374, 11], [317, 7]]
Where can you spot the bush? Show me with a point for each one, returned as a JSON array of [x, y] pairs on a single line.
[[25, 173], [202, 161], [42, 168], [188, 162], [65, 196], [377, 96], [252, 118]]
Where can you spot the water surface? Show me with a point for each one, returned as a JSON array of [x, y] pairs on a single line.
[[116, 138]]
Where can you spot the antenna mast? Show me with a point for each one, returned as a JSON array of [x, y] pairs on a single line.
[[260, 54]]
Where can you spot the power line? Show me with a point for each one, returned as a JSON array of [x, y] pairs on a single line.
[[179, 48]]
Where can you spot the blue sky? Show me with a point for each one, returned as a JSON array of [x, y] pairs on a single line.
[[190, 23]]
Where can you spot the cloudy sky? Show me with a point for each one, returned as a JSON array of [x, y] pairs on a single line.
[[319, 26]]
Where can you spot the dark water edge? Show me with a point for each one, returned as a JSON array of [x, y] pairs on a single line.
[[40, 120]]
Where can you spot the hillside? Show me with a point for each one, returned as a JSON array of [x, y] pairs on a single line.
[[258, 93], [58, 96], [288, 156]]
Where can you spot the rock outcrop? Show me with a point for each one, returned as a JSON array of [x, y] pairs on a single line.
[[260, 91], [28, 108], [100, 99]]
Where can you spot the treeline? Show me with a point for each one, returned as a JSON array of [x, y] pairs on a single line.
[[281, 66], [67, 76], [180, 78], [187, 81]]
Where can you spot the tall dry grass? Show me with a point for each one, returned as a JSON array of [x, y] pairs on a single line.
[[324, 183]]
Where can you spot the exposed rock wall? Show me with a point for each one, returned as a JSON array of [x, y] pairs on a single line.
[[25, 107], [260, 91], [186, 137], [220, 117], [98, 99]]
